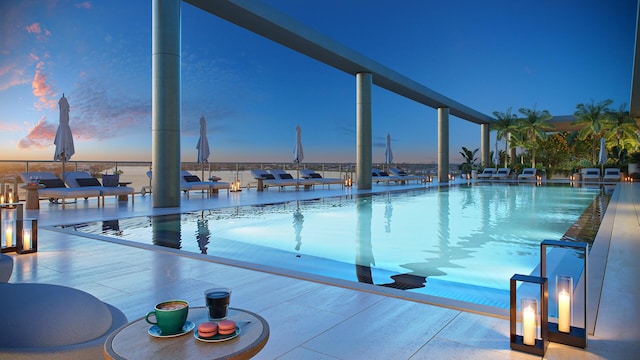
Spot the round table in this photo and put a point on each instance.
(33, 199)
(132, 341)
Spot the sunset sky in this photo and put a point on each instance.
(488, 55)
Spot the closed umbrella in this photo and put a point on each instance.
(203, 144)
(388, 154)
(64, 138)
(602, 158)
(298, 154)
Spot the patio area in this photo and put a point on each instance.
(315, 320)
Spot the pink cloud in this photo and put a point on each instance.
(34, 28)
(10, 76)
(39, 137)
(42, 89)
(84, 5)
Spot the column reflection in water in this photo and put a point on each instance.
(166, 230)
(364, 251)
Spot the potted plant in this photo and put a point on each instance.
(469, 163)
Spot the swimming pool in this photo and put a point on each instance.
(461, 243)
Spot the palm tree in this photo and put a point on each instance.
(505, 124)
(535, 124)
(622, 128)
(594, 119)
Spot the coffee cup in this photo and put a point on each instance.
(170, 316)
(217, 300)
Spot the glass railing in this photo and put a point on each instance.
(135, 172)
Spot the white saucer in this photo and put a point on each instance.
(156, 332)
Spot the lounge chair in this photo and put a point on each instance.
(266, 180)
(502, 174)
(283, 175)
(591, 175)
(55, 189)
(318, 179)
(189, 182)
(527, 174)
(487, 173)
(378, 175)
(81, 179)
(404, 176)
(611, 174)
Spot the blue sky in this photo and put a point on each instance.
(488, 55)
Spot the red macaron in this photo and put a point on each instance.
(207, 329)
(226, 327)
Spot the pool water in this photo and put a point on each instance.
(462, 243)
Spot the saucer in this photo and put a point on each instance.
(218, 337)
(156, 332)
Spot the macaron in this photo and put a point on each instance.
(226, 327)
(207, 329)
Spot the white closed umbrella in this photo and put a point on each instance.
(298, 153)
(203, 144)
(602, 158)
(388, 154)
(64, 137)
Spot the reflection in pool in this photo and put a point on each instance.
(462, 242)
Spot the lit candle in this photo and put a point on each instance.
(26, 239)
(1, 199)
(529, 326)
(10, 198)
(8, 233)
(564, 311)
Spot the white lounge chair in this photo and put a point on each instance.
(55, 188)
(378, 175)
(487, 173)
(527, 174)
(399, 173)
(283, 175)
(266, 179)
(590, 175)
(317, 179)
(611, 174)
(501, 174)
(189, 182)
(84, 180)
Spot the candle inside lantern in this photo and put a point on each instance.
(8, 233)
(529, 325)
(26, 239)
(10, 197)
(1, 199)
(564, 311)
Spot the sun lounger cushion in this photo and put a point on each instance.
(52, 183)
(88, 182)
(191, 178)
(110, 180)
(285, 176)
(591, 173)
(315, 176)
(268, 176)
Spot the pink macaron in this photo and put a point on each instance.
(226, 327)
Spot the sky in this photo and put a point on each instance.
(489, 55)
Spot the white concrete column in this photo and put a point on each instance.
(165, 100)
(443, 145)
(363, 131)
(485, 146)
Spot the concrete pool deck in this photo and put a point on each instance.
(311, 320)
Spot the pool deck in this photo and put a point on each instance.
(315, 320)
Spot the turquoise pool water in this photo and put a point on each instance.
(462, 243)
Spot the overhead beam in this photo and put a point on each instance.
(266, 21)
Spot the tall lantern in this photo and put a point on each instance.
(563, 329)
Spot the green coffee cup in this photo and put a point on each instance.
(170, 316)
